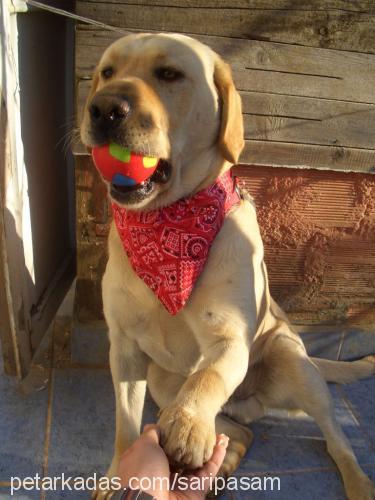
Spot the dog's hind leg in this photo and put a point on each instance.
(240, 440)
(246, 410)
(288, 378)
(345, 372)
(315, 399)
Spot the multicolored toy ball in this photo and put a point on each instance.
(122, 167)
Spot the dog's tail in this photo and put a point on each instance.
(345, 372)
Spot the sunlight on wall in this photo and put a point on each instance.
(16, 196)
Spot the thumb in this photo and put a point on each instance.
(151, 433)
(211, 468)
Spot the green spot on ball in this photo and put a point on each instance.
(119, 152)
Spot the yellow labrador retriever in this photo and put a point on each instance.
(231, 350)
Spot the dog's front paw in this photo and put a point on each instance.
(187, 438)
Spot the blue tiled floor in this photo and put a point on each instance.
(360, 396)
(307, 485)
(323, 343)
(357, 343)
(25, 495)
(90, 345)
(22, 430)
(287, 443)
(83, 421)
(80, 430)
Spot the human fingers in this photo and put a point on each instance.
(211, 468)
(151, 433)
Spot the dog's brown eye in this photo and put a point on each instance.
(168, 74)
(107, 73)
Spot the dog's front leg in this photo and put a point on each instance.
(129, 369)
(188, 424)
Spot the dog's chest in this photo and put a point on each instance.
(167, 340)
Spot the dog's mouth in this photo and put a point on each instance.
(131, 176)
(130, 195)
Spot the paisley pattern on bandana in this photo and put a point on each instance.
(168, 247)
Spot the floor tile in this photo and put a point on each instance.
(83, 420)
(309, 485)
(357, 343)
(294, 443)
(322, 344)
(22, 428)
(306, 486)
(68, 495)
(5, 494)
(361, 398)
(82, 429)
(90, 345)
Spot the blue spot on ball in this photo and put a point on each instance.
(123, 180)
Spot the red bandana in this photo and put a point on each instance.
(168, 247)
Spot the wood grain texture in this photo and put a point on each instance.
(297, 23)
(302, 106)
(318, 229)
(278, 154)
(296, 120)
(265, 66)
(357, 6)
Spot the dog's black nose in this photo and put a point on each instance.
(108, 111)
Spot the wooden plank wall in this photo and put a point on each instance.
(306, 72)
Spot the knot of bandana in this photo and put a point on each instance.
(168, 247)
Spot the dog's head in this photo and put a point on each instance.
(171, 97)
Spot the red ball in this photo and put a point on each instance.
(120, 166)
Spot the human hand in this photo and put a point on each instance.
(145, 466)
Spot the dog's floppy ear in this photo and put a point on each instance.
(231, 140)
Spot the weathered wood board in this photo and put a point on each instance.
(304, 105)
(335, 24)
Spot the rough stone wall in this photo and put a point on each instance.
(318, 228)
